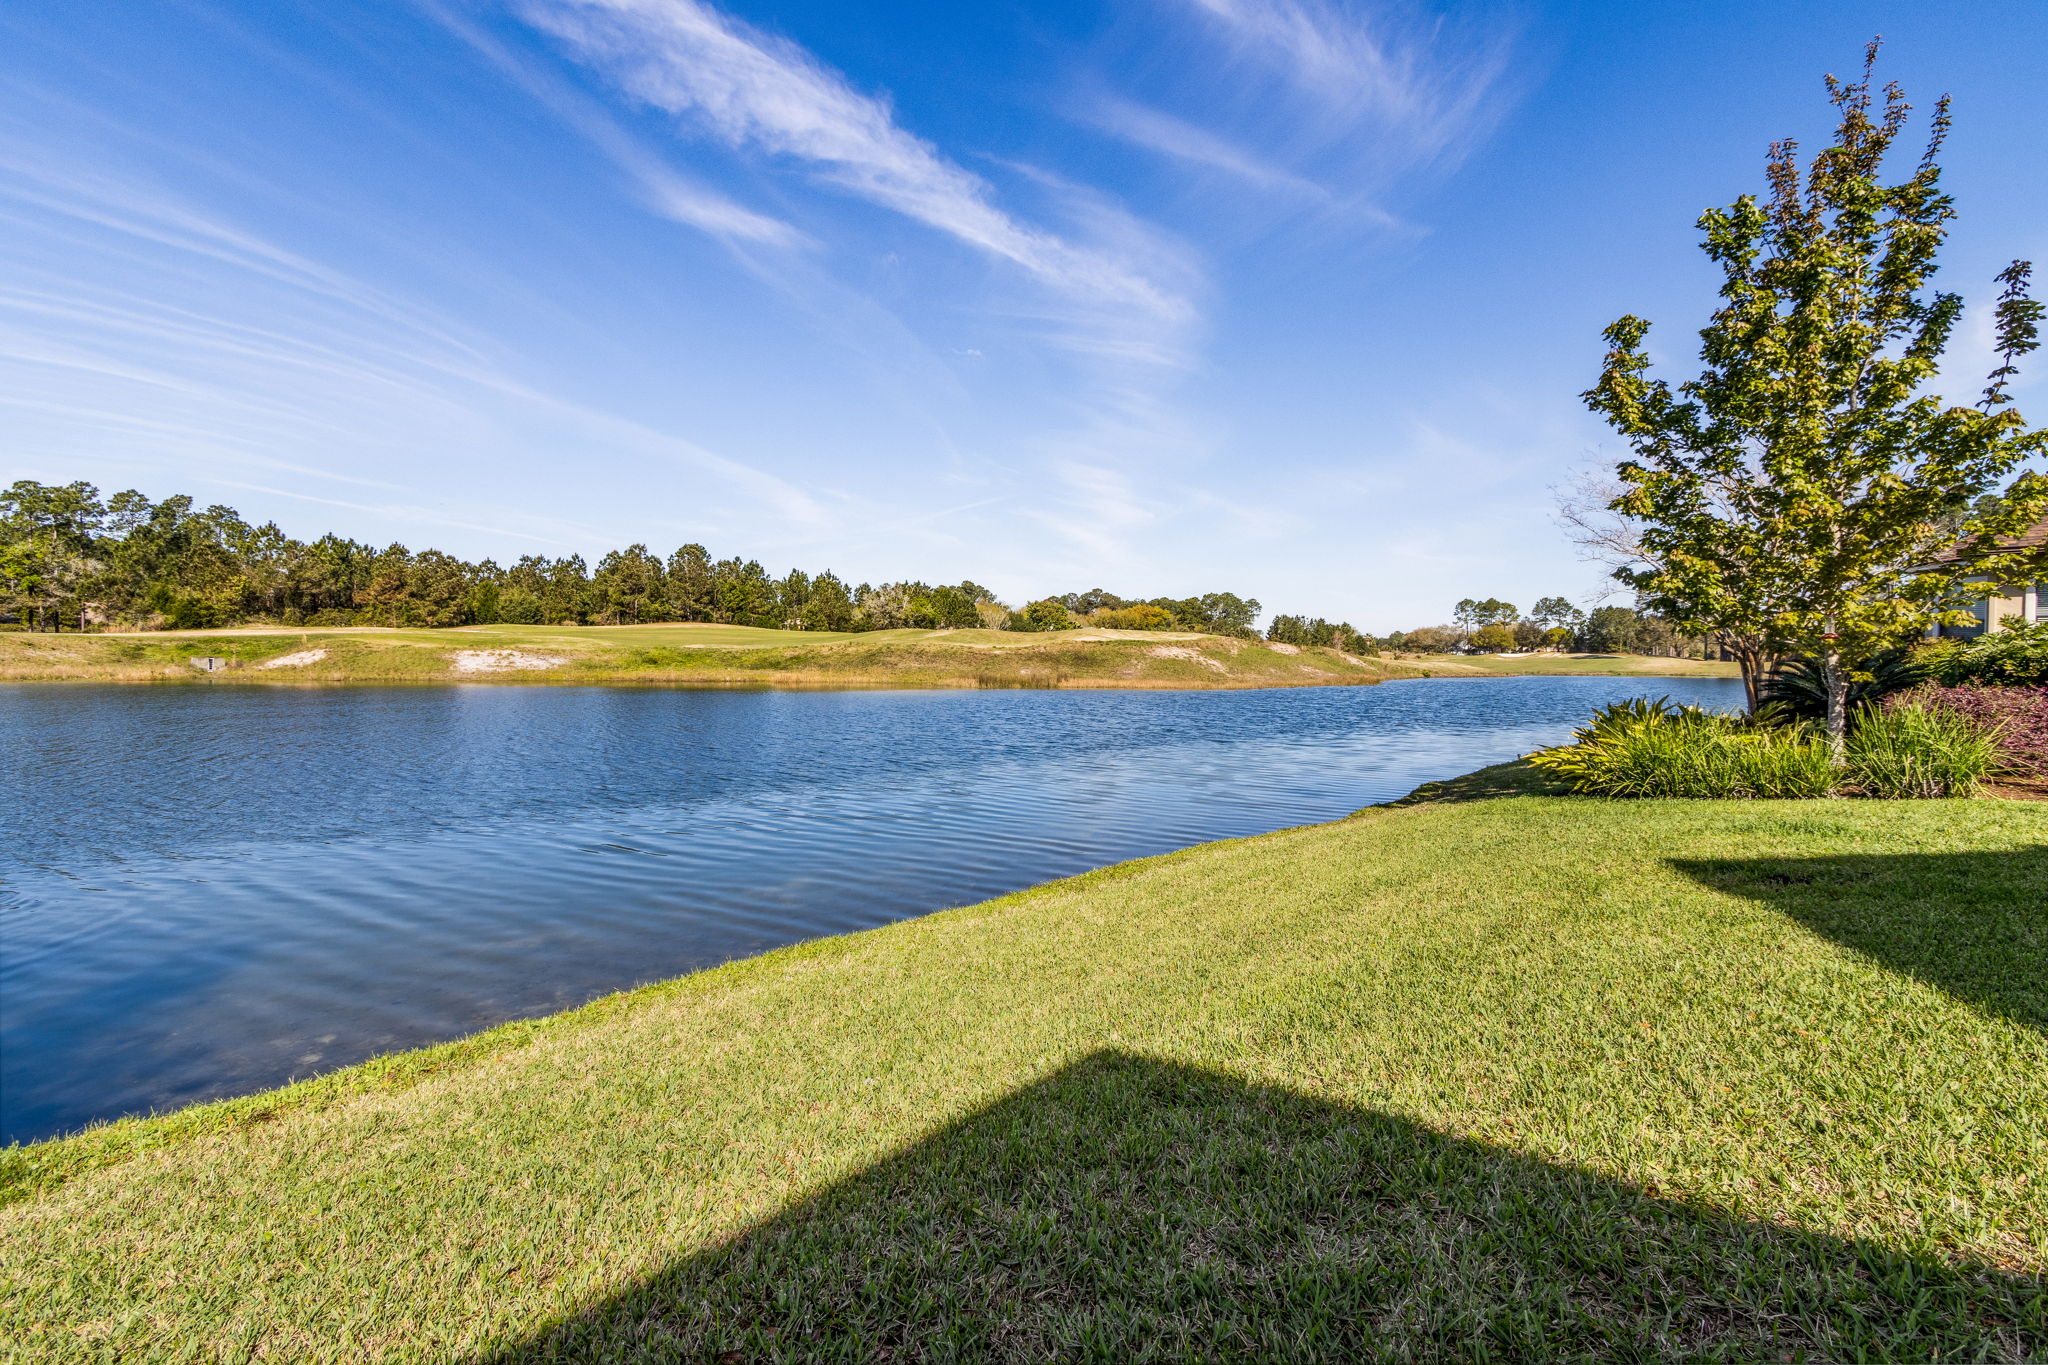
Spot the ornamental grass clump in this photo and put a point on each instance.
(1656, 749)
(1918, 751)
(2019, 716)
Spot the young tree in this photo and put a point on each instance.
(992, 614)
(1794, 497)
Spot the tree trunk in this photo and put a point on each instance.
(1754, 660)
(1837, 679)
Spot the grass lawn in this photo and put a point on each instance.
(1488, 1076)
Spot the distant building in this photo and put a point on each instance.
(2003, 604)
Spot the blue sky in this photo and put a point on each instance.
(1286, 297)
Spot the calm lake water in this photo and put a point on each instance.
(209, 890)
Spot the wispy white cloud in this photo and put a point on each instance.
(1323, 106)
(1323, 45)
(1416, 82)
(759, 92)
(292, 355)
(1110, 296)
(688, 202)
(660, 186)
(97, 198)
(1169, 136)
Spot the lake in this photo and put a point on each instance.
(210, 890)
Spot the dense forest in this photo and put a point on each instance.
(70, 559)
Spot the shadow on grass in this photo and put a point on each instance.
(1519, 778)
(1126, 1209)
(1973, 924)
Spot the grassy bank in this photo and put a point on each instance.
(721, 656)
(1552, 665)
(684, 655)
(1483, 1076)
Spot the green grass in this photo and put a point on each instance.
(1524, 1078)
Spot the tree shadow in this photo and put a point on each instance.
(1519, 778)
(1973, 924)
(1126, 1209)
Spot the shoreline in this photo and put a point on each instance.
(23, 1175)
(799, 1149)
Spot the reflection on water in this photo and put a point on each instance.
(211, 890)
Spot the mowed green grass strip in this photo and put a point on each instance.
(1522, 1078)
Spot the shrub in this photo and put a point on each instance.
(1044, 614)
(1138, 616)
(1919, 750)
(1492, 639)
(1655, 749)
(2014, 656)
(1799, 686)
(518, 607)
(2019, 715)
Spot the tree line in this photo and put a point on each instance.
(1492, 626)
(72, 559)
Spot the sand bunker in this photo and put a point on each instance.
(501, 660)
(297, 659)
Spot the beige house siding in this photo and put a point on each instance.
(2003, 606)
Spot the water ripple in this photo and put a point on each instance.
(213, 890)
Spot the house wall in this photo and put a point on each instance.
(2004, 606)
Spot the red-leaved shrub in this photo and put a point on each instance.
(2019, 713)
